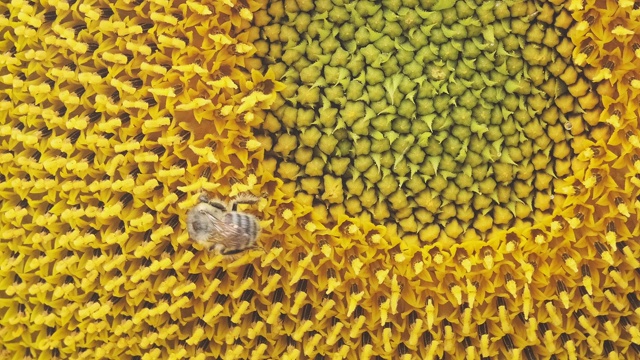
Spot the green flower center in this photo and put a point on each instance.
(437, 120)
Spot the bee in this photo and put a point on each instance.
(221, 227)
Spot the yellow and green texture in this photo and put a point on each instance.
(438, 178)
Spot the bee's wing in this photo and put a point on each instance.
(232, 235)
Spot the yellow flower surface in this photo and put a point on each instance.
(437, 178)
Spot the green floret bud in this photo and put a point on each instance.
(370, 53)
(362, 163)
(463, 70)
(477, 83)
(448, 52)
(375, 92)
(302, 22)
(403, 143)
(289, 34)
(485, 13)
(352, 111)
(438, 37)
(416, 155)
(344, 147)
(406, 85)
(341, 134)
(463, 10)
(407, 108)
(477, 144)
(470, 50)
(426, 54)
(501, 10)
(493, 133)
(339, 15)
(449, 16)
(456, 88)
(452, 146)
(308, 96)
(490, 94)
(503, 173)
(329, 45)
(461, 116)
(315, 167)
(461, 132)
(356, 64)
(551, 38)
(328, 117)
(537, 55)
(374, 76)
(377, 22)
(310, 75)
(512, 140)
(387, 159)
(380, 146)
(483, 64)
(401, 125)
(367, 8)
(434, 148)
(340, 57)
(303, 155)
(362, 146)
(514, 65)
(313, 51)
(451, 191)
(315, 27)
(289, 116)
(362, 36)
(413, 69)
(520, 27)
(382, 106)
(404, 57)
(438, 183)
(310, 136)
(361, 127)
(305, 117)
(474, 160)
(511, 43)
(385, 44)
(327, 144)
(393, 5)
(499, 31)
(335, 94)
(339, 166)
(401, 167)
(354, 90)
(425, 105)
(387, 185)
(390, 67)
(519, 87)
(467, 100)
(409, 18)
(301, 64)
(437, 73)
(497, 115)
(441, 103)
(392, 29)
(515, 154)
(417, 38)
(458, 31)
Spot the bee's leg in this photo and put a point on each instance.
(217, 204)
(227, 252)
(218, 248)
(243, 199)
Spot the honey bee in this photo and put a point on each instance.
(221, 227)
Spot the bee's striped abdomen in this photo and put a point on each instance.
(247, 224)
